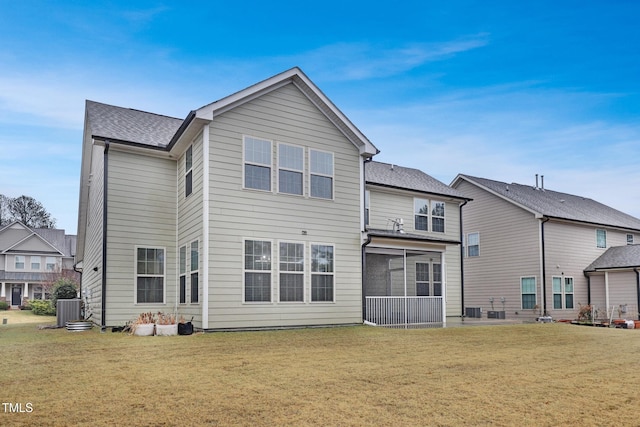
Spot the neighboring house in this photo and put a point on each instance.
(413, 251)
(530, 251)
(31, 259)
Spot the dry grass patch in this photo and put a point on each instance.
(508, 375)
(15, 317)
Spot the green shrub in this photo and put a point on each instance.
(43, 307)
(4, 305)
(64, 289)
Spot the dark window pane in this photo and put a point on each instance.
(422, 289)
(194, 287)
(150, 289)
(322, 187)
(528, 301)
(422, 223)
(437, 225)
(321, 287)
(188, 184)
(183, 289)
(291, 287)
(258, 177)
(290, 182)
(257, 287)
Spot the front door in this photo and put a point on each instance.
(16, 295)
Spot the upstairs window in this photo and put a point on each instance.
(51, 263)
(629, 239)
(35, 263)
(321, 174)
(601, 238)
(421, 212)
(188, 168)
(257, 163)
(437, 216)
(367, 206)
(290, 169)
(183, 274)
(19, 262)
(473, 244)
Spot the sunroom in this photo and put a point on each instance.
(404, 280)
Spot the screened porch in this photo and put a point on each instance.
(403, 287)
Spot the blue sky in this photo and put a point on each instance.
(496, 89)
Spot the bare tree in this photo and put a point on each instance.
(5, 216)
(30, 212)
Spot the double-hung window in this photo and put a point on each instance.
(437, 280)
(51, 263)
(257, 271)
(188, 171)
(290, 169)
(183, 274)
(421, 212)
(528, 292)
(19, 262)
(367, 206)
(322, 273)
(257, 163)
(291, 272)
(150, 274)
(562, 293)
(473, 244)
(629, 239)
(35, 263)
(601, 238)
(321, 174)
(195, 291)
(437, 216)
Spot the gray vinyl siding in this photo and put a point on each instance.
(285, 116)
(190, 219)
(386, 203)
(149, 184)
(509, 250)
(92, 279)
(581, 239)
(390, 203)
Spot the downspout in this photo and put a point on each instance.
(103, 310)
(637, 289)
(588, 287)
(544, 269)
(462, 261)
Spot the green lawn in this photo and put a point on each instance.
(520, 375)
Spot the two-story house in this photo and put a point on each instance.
(530, 251)
(250, 213)
(412, 255)
(31, 259)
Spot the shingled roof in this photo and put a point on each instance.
(129, 125)
(617, 257)
(389, 175)
(559, 205)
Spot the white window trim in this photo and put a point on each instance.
(244, 270)
(563, 293)
(245, 162)
(39, 262)
(190, 272)
(311, 272)
(466, 252)
(302, 171)
(332, 176)
(302, 273)
(135, 275)
(186, 171)
(23, 262)
(605, 238)
(535, 288)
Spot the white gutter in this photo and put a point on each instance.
(205, 226)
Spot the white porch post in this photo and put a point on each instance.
(444, 288)
(606, 291)
(26, 291)
(3, 293)
(404, 267)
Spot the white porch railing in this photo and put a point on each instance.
(403, 310)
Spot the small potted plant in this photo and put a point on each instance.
(166, 324)
(144, 325)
